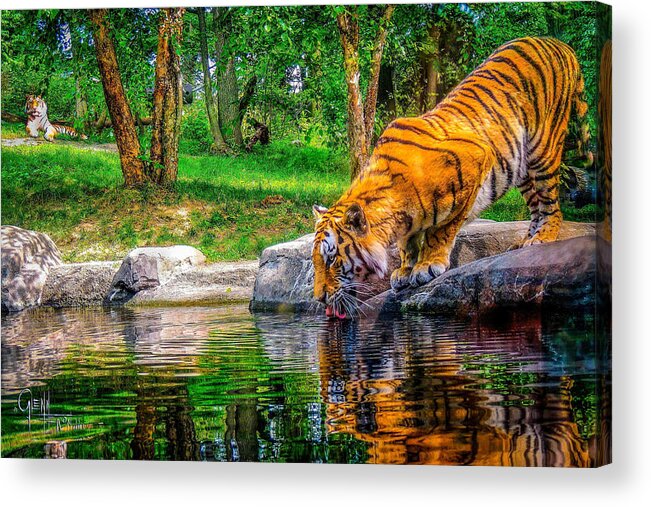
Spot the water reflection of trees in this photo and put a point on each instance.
(188, 384)
(427, 391)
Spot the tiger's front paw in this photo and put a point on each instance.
(519, 243)
(424, 273)
(536, 240)
(400, 278)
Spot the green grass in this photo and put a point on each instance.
(229, 207)
(12, 130)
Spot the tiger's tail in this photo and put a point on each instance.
(62, 129)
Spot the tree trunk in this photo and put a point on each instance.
(219, 145)
(357, 145)
(431, 64)
(168, 100)
(386, 92)
(230, 120)
(81, 104)
(370, 105)
(126, 138)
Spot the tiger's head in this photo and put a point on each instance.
(35, 106)
(346, 254)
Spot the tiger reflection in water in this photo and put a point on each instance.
(454, 410)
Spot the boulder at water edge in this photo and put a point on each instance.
(286, 275)
(79, 284)
(27, 256)
(562, 275)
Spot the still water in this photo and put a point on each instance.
(210, 383)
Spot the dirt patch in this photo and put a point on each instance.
(271, 200)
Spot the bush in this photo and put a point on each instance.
(196, 138)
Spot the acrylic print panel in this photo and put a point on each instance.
(331, 234)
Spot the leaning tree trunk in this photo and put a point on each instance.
(168, 100)
(227, 91)
(126, 138)
(370, 105)
(431, 64)
(357, 145)
(219, 145)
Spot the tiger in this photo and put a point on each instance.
(37, 121)
(605, 131)
(503, 126)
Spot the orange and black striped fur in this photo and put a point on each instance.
(37, 121)
(605, 144)
(504, 125)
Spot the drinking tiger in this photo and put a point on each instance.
(504, 125)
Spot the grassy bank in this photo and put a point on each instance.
(228, 207)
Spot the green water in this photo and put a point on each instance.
(222, 384)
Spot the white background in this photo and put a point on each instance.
(626, 482)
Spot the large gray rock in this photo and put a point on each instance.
(79, 284)
(27, 257)
(286, 276)
(560, 274)
(150, 267)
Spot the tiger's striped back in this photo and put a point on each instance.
(519, 101)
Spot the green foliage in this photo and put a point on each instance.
(292, 55)
(195, 130)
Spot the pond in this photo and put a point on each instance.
(221, 384)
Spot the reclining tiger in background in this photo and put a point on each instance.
(37, 121)
(504, 125)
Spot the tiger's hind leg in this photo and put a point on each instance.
(408, 257)
(50, 133)
(528, 190)
(546, 185)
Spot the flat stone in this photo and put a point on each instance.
(149, 267)
(220, 283)
(479, 239)
(27, 257)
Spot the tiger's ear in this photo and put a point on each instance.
(355, 219)
(318, 211)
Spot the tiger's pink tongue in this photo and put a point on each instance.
(330, 312)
